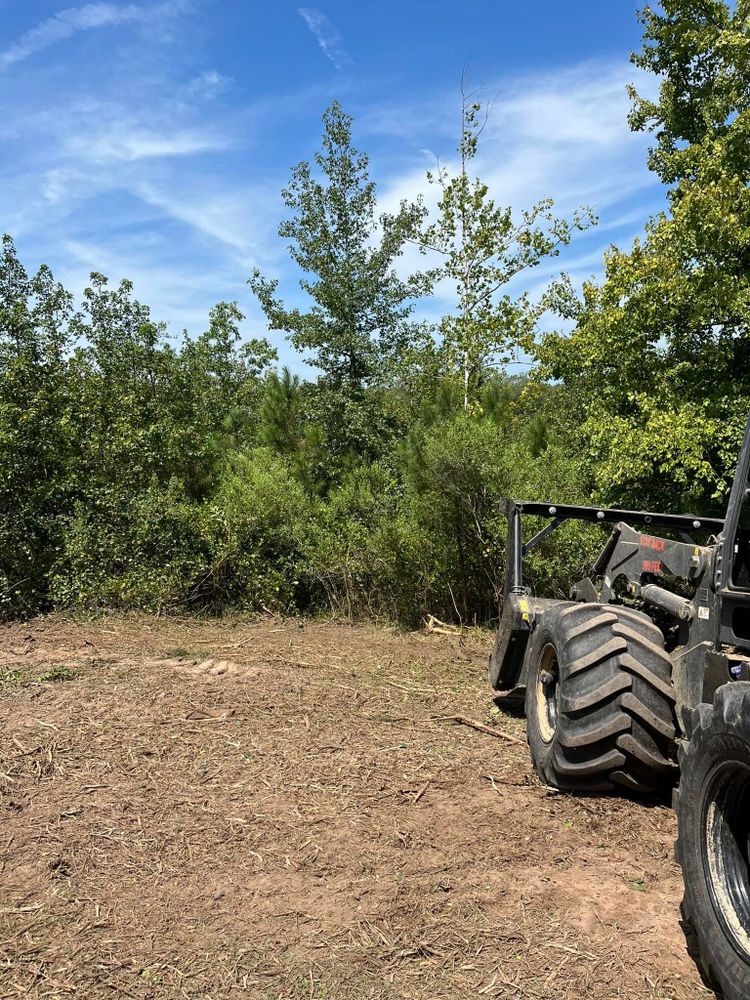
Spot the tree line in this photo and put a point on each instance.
(137, 473)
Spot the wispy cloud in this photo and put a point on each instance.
(178, 294)
(328, 36)
(208, 84)
(70, 21)
(562, 135)
(241, 220)
(126, 142)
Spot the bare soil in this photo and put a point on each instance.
(199, 810)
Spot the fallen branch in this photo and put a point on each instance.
(209, 714)
(421, 792)
(502, 781)
(433, 626)
(462, 720)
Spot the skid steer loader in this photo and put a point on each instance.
(642, 677)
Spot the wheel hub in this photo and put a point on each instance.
(547, 694)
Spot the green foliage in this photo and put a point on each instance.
(658, 366)
(425, 533)
(459, 470)
(123, 549)
(36, 438)
(57, 674)
(358, 324)
(254, 531)
(352, 554)
(110, 439)
(282, 415)
(699, 50)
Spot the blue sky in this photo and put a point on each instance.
(150, 139)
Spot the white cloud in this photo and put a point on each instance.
(560, 135)
(208, 84)
(241, 220)
(125, 142)
(69, 22)
(327, 35)
(56, 184)
(583, 105)
(174, 288)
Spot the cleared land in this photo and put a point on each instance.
(198, 810)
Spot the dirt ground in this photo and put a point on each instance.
(200, 810)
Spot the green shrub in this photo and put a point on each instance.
(350, 561)
(254, 529)
(127, 551)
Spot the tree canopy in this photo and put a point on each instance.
(658, 364)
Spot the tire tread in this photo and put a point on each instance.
(616, 719)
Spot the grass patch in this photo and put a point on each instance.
(57, 674)
(636, 882)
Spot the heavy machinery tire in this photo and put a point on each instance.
(599, 700)
(713, 829)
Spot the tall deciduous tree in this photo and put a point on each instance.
(659, 363)
(358, 323)
(481, 247)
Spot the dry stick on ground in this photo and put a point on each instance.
(503, 781)
(421, 792)
(462, 720)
